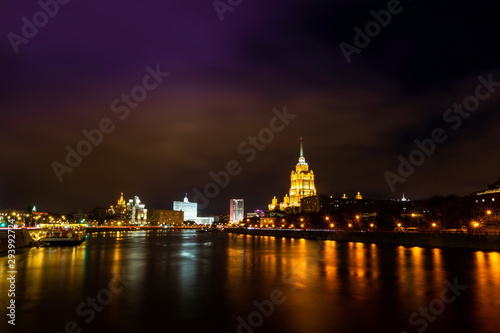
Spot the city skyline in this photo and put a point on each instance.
(294, 187)
(154, 104)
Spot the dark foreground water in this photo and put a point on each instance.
(191, 282)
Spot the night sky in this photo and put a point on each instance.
(225, 79)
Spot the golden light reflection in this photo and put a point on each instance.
(412, 273)
(437, 267)
(487, 288)
(329, 255)
(357, 259)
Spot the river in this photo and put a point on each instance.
(143, 281)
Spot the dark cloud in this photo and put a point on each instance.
(225, 79)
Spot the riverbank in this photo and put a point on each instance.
(464, 241)
(137, 228)
(22, 239)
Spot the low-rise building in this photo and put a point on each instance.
(165, 217)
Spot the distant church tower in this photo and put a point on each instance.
(301, 184)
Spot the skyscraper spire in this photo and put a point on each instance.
(301, 148)
(301, 184)
(302, 159)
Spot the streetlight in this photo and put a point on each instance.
(475, 226)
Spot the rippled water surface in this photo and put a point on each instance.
(191, 282)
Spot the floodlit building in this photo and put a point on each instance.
(190, 210)
(137, 211)
(491, 195)
(120, 208)
(236, 210)
(301, 185)
(118, 213)
(487, 202)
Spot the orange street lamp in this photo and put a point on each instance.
(489, 212)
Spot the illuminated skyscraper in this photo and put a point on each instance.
(236, 210)
(120, 208)
(302, 184)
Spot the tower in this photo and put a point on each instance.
(120, 208)
(236, 210)
(301, 184)
(121, 205)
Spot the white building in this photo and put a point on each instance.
(137, 210)
(190, 210)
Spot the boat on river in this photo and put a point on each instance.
(208, 230)
(62, 234)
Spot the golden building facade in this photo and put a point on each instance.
(301, 185)
(120, 208)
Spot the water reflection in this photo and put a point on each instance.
(487, 292)
(194, 282)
